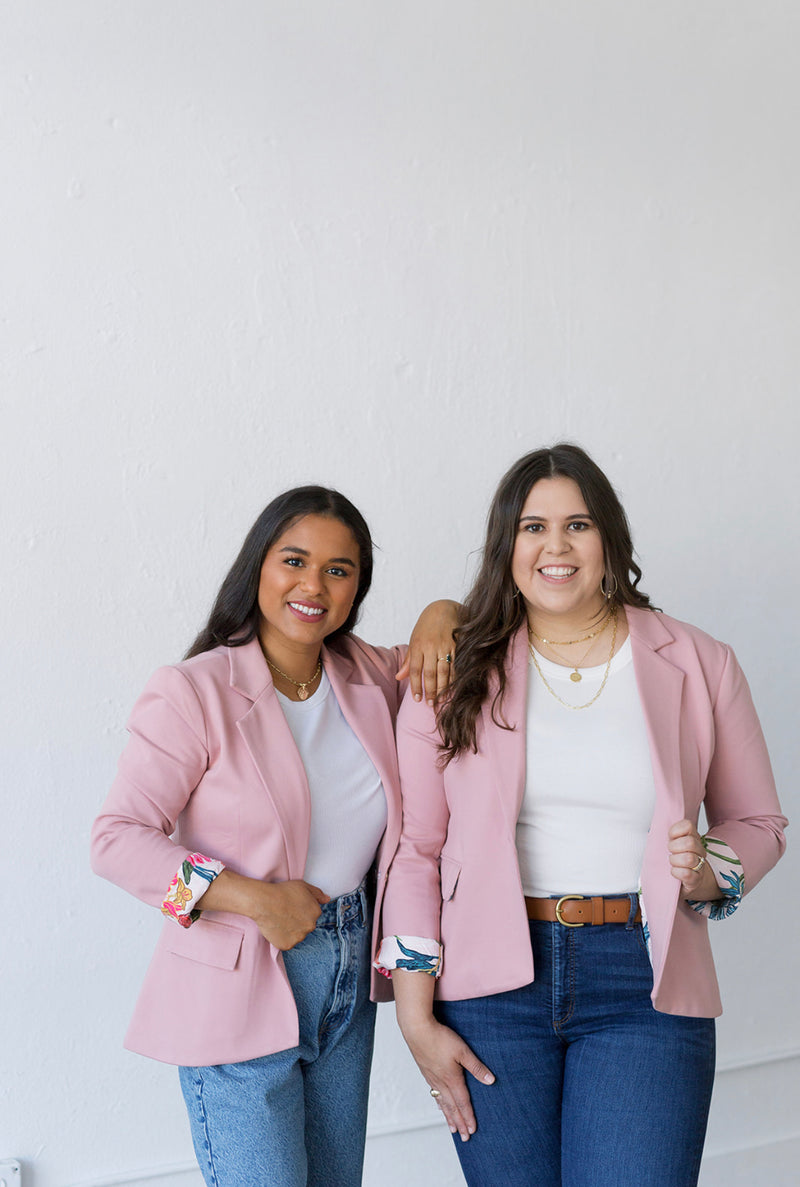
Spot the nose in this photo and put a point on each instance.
(311, 580)
(558, 542)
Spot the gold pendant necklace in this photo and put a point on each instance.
(553, 692)
(575, 675)
(301, 685)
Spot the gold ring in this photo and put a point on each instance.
(435, 1092)
(699, 865)
(446, 659)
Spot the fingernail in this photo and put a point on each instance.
(465, 1137)
(488, 1078)
(417, 696)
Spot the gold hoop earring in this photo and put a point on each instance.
(608, 594)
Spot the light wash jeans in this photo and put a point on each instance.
(595, 1088)
(298, 1118)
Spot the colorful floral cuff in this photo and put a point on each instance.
(730, 878)
(409, 952)
(189, 884)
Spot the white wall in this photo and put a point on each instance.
(389, 248)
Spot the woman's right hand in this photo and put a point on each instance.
(284, 912)
(442, 1056)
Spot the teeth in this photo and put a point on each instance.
(556, 571)
(309, 611)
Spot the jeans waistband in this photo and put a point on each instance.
(347, 908)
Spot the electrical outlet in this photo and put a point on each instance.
(10, 1173)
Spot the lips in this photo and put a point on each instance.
(306, 611)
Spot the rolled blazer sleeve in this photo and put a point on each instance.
(741, 801)
(412, 904)
(164, 760)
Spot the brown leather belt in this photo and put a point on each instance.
(576, 910)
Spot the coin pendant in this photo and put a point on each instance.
(575, 677)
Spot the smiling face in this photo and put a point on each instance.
(558, 560)
(309, 579)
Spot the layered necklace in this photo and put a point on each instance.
(301, 685)
(575, 675)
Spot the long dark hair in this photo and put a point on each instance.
(234, 618)
(493, 612)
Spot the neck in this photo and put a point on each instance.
(568, 626)
(298, 663)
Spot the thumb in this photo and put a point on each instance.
(318, 894)
(404, 670)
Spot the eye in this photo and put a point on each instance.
(335, 571)
(579, 525)
(533, 528)
(293, 561)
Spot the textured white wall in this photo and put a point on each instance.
(387, 248)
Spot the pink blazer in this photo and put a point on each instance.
(211, 760)
(455, 875)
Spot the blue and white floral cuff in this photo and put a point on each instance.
(730, 878)
(409, 952)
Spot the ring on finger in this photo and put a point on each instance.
(446, 659)
(435, 1092)
(699, 866)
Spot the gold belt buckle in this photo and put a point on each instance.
(565, 898)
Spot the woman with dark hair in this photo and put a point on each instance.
(257, 804)
(551, 877)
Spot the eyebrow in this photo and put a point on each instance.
(334, 560)
(543, 519)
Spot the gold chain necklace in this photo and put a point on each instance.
(575, 675)
(569, 642)
(553, 692)
(300, 685)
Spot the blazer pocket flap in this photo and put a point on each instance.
(450, 871)
(208, 942)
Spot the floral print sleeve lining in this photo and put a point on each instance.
(730, 878)
(189, 884)
(409, 952)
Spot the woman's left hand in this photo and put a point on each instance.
(431, 651)
(686, 853)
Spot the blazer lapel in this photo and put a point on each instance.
(660, 686)
(365, 710)
(507, 746)
(271, 746)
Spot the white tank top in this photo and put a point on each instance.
(348, 803)
(589, 790)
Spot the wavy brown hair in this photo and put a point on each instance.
(493, 611)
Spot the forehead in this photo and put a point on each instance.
(320, 535)
(554, 498)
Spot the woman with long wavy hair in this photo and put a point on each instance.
(545, 921)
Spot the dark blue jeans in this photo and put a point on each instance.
(594, 1087)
